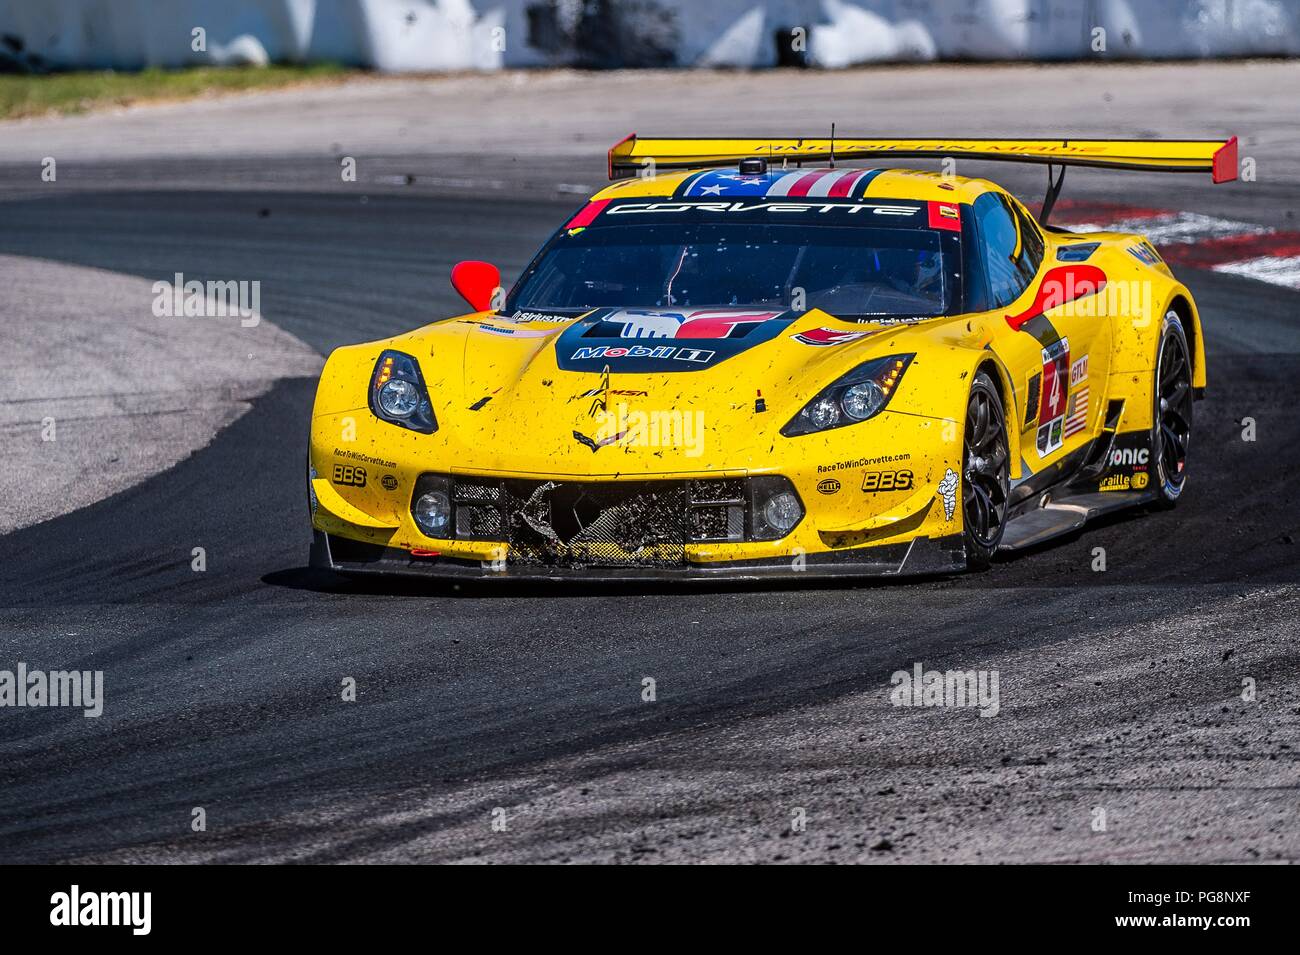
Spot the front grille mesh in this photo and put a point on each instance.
(599, 524)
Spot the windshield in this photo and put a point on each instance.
(696, 261)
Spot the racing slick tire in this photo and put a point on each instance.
(1171, 427)
(986, 473)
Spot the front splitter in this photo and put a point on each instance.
(921, 556)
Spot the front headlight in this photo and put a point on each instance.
(774, 508)
(861, 394)
(398, 398)
(398, 394)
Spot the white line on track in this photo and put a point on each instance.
(1177, 228)
(1275, 270)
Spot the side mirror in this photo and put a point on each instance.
(477, 283)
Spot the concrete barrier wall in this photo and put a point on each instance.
(435, 35)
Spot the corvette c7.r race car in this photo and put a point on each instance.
(744, 358)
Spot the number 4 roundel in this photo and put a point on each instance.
(1056, 383)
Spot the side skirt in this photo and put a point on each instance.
(1062, 498)
(1066, 514)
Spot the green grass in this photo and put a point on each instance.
(82, 92)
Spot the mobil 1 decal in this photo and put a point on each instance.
(1052, 398)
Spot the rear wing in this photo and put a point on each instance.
(1217, 157)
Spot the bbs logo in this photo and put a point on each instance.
(874, 481)
(349, 475)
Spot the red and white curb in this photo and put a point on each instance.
(1196, 241)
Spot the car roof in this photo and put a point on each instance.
(875, 184)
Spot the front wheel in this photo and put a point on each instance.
(986, 473)
(1171, 429)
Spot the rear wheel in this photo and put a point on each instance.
(986, 475)
(1171, 429)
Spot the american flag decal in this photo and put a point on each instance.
(1077, 419)
(810, 183)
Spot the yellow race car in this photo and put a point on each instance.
(756, 357)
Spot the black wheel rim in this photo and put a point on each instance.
(1173, 409)
(987, 480)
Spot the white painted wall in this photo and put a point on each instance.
(438, 35)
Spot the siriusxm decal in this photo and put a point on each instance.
(673, 340)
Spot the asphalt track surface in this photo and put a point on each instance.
(1119, 689)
